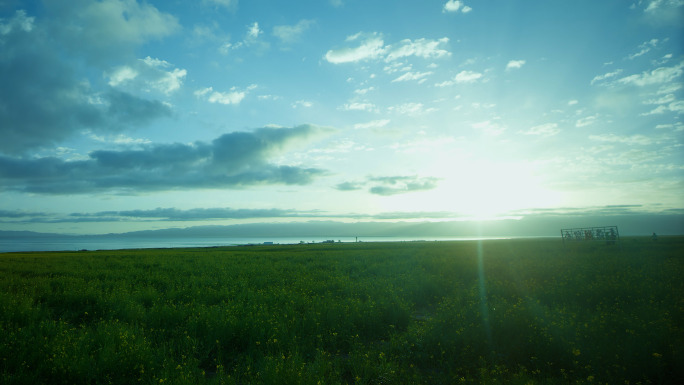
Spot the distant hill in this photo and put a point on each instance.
(537, 225)
(629, 225)
(28, 234)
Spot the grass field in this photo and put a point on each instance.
(494, 312)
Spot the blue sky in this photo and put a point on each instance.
(122, 115)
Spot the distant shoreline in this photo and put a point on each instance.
(95, 244)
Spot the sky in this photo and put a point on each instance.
(125, 115)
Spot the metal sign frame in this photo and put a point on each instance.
(609, 234)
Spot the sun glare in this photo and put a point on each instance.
(488, 190)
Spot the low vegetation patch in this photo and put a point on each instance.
(496, 312)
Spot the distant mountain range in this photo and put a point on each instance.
(540, 225)
(28, 234)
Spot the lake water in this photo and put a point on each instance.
(115, 243)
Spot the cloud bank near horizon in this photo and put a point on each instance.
(171, 214)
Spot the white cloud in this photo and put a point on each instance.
(127, 140)
(489, 127)
(251, 39)
(227, 47)
(122, 75)
(676, 106)
(482, 105)
(629, 140)
(118, 139)
(656, 5)
(371, 47)
(547, 129)
(171, 81)
(467, 77)
(668, 98)
(268, 97)
(363, 91)
(456, 6)
(662, 12)
(20, 21)
(148, 74)
(342, 146)
(154, 62)
(69, 154)
(234, 96)
(608, 75)
(657, 76)
(224, 3)
(423, 48)
(408, 76)
(291, 33)
(452, 6)
(572, 102)
(372, 124)
(445, 83)
(677, 127)
(669, 88)
(302, 103)
(461, 77)
(165, 81)
(586, 121)
(396, 67)
(644, 48)
(514, 64)
(357, 106)
(253, 31)
(411, 109)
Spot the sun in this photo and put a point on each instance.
(488, 190)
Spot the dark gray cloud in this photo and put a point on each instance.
(349, 186)
(411, 215)
(100, 31)
(233, 160)
(391, 185)
(206, 214)
(42, 99)
(199, 214)
(124, 110)
(203, 214)
(608, 210)
(539, 219)
(17, 214)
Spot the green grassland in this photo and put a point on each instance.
(494, 312)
